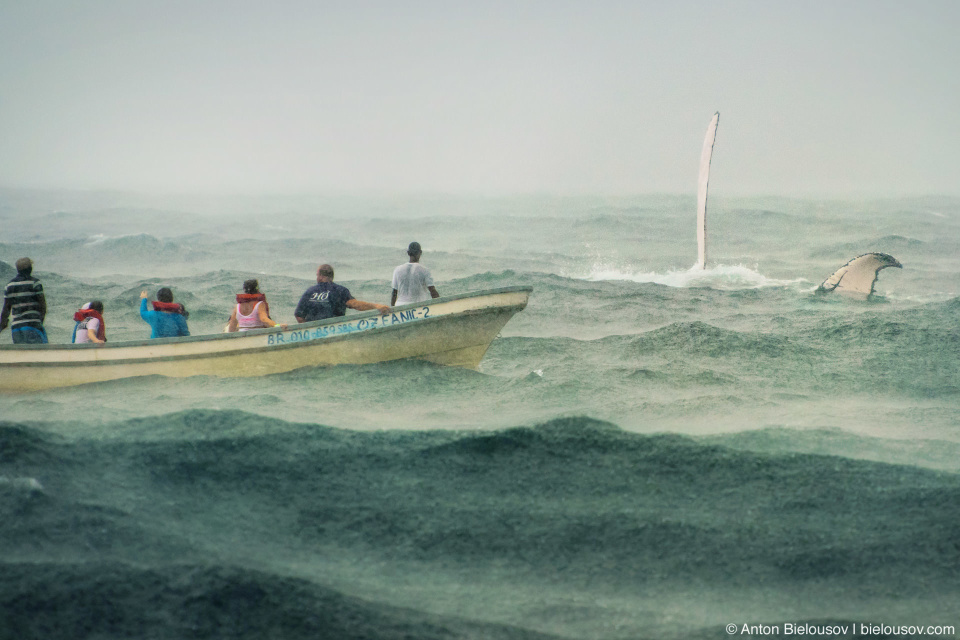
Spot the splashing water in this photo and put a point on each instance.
(718, 277)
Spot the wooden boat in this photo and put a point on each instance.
(454, 330)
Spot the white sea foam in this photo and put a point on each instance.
(23, 484)
(718, 277)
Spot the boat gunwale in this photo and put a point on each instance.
(259, 332)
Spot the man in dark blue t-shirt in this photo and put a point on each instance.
(328, 300)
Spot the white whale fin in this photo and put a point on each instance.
(858, 276)
(705, 156)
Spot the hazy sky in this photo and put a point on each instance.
(834, 97)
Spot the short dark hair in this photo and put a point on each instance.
(164, 294)
(25, 266)
(251, 286)
(325, 270)
(97, 306)
(414, 249)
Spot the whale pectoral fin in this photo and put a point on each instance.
(858, 276)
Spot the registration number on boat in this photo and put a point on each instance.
(353, 326)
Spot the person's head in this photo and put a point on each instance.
(325, 273)
(164, 295)
(251, 286)
(24, 266)
(414, 250)
(97, 306)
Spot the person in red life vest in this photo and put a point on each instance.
(167, 319)
(252, 311)
(90, 326)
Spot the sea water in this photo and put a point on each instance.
(646, 451)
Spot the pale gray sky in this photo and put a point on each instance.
(833, 97)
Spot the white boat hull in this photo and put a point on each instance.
(451, 331)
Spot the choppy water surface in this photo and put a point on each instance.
(647, 451)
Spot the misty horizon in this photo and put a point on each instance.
(612, 99)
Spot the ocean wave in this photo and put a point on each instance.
(23, 445)
(60, 601)
(575, 500)
(46, 525)
(933, 454)
(601, 499)
(693, 339)
(927, 328)
(885, 244)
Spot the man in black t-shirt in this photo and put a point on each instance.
(23, 299)
(329, 300)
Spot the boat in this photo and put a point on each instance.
(704, 180)
(454, 330)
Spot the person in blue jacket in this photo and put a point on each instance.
(167, 318)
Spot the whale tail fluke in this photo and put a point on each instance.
(858, 276)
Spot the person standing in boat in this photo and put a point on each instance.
(90, 327)
(327, 299)
(23, 299)
(252, 311)
(167, 319)
(412, 281)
